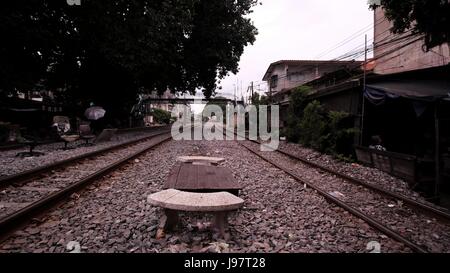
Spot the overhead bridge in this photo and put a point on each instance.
(191, 100)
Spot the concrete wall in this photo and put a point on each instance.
(393, 56)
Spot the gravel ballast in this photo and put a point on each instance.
(279, 214)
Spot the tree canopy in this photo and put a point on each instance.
(222, 105)
(108, 50)
(427, 17)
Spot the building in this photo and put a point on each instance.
(395, 53)
(285, 75)
(404, 98)
(143, 110)
(153, 103)
(162, 102)
(407, 102)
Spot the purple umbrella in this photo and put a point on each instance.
(94, 113)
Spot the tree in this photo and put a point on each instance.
(313, 126)
(310, 124)
(297, 105)
(216, 41)
(428, 17)
(222, 105)
(161, 116)
(107, 50)
(258, 100)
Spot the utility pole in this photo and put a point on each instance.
(270, 91)
(364, 90)
(240, 93)
(365, 60)
(234, 93)
(251, 92)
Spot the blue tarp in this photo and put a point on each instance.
(420, 90)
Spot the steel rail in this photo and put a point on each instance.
(370, 220)
(408, 201)
(10, 222)
(22, 176)
(119, 131)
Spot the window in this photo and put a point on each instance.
(274, 81)
(295, 77)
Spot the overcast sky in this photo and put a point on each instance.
(300, 30)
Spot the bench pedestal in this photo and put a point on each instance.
(170, 220)
(216, 203)
(221, 222)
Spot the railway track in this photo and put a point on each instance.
(426, 208)
(119, 132)
(26, 194)
(23, 176)
(387, 216)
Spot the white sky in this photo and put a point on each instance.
(298, 29)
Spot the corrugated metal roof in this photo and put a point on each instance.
(306, 62)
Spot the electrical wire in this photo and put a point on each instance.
(352, 37)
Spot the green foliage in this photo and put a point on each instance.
(339, 136)
(428, 17)
(258, 100)
(326, 131)
(295, 113)
(107, 50)
(161, 116)
(310, 124)
(222, 105)
(313, 127)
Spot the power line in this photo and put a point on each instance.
(359, 51)
(352, 37)
(390, 52)
(347, 40)
(409, 42)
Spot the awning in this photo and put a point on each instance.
(416, 89)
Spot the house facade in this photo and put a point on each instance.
(163, 105)
(285, 75)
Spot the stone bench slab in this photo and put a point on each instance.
(189, 201)
(195, 159)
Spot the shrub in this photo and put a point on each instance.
(161, 116)
(340, 134)
(295, 113)
(313, 127)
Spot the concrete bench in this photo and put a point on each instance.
(31, 144)
(173, 201)
(68, 139)
(200, 160)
